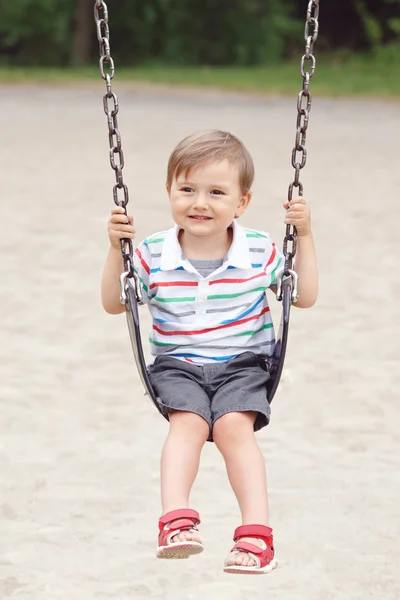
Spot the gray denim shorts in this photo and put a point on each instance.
(212, 390)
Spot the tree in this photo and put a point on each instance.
(83, 32)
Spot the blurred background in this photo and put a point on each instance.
(79, 443)
(242, 44)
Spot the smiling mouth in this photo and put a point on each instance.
(199, 218)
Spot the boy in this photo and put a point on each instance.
(205, 282)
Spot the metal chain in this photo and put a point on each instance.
(299, 154)
(111, 108)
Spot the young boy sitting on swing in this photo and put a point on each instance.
(205, 283)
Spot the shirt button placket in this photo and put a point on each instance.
(202, 293)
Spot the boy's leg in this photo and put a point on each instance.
(180, 461)
(178, 385)
(233, 434)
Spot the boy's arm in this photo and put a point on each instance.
(298, 214)
(110, 289)
(120, 226)
(307, 271)
(110, 286)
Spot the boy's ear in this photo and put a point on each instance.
(244, 203)
(248, 197)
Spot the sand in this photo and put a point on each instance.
(80, 444)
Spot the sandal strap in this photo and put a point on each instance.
(247, 547)
(182, 524)
(182, 513)
(257, 531)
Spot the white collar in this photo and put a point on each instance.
(238, 254)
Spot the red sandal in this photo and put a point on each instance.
(264, 557)
(184, 519)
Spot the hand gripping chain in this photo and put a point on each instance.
(299, 154)
(111, 108)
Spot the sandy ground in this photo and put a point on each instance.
(80, 444)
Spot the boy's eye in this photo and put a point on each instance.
(217, 192)
(186, 189)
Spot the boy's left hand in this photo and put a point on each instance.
(298, 214)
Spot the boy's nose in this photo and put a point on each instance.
(201, 201)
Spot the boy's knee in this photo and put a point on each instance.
(189, 424)
(233, 427)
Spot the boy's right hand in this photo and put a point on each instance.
(120, 226)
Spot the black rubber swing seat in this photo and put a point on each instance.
(275, 362)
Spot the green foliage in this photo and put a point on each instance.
(36, 31)
(192, 32)
(372, 28)
(261, 31)
(394, 21)
(394, 24)
(214, 32)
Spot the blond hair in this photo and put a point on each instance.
(211, 146)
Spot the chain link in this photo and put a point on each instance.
(304, 102)
(111, 109)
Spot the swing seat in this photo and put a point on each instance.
(275, 362)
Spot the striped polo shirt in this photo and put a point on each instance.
(214, 318)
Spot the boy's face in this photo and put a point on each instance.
(205, 201)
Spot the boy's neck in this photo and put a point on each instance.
(205, 247)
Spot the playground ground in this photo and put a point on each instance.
(79, 442)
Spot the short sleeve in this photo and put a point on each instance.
(273, 262)
(141, 265)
